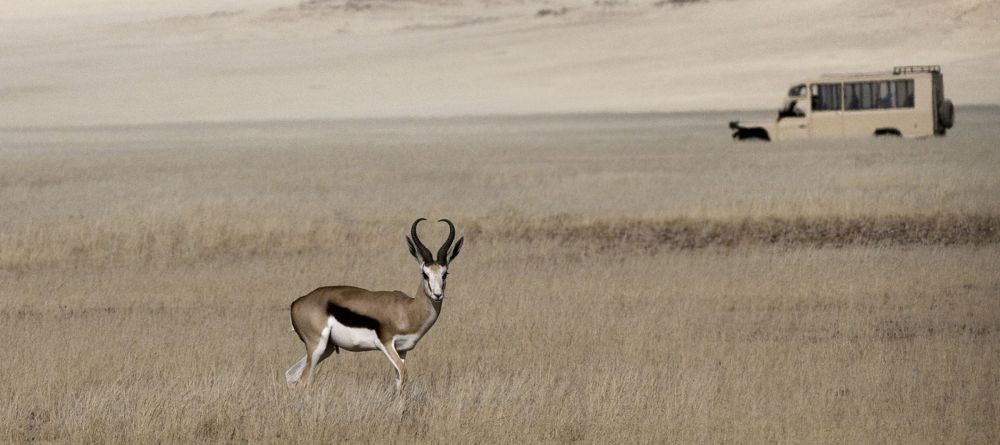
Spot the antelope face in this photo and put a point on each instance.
(434, 280)
(434, 272)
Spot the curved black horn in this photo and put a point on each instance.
(425, 253)
(443, 251)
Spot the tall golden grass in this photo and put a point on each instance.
(632, 278)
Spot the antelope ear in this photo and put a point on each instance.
(413, 249)
(458, 248)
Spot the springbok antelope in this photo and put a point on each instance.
(330, 318)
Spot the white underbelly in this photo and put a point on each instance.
(351, 339)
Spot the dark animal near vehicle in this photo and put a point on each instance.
(743, 133)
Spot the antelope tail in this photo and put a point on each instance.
(295, 372)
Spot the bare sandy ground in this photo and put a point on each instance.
(117, 62)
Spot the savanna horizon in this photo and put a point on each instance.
(114, 61)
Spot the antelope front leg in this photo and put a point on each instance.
(390, 352)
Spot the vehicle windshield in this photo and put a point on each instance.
(797, 91)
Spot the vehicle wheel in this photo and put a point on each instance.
(946, 114)
(888, 132)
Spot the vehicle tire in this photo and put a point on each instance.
(946, 114)
(881, 132)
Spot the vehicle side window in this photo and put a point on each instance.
(852, 96)
(879, 95)
(904, 93)
(885, 95)
(797, 91)
(868, 92)
(826, 97)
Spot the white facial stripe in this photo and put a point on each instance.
(434, 284)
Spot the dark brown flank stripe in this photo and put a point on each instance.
(352, 319)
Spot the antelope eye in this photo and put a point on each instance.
(424, 274)
(445, 276)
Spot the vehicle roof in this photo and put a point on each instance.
(899, 72)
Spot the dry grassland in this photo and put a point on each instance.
(625, 278)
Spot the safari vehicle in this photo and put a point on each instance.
(908, 101)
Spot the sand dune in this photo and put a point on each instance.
(103, 62)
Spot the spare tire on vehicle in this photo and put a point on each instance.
(946, 114)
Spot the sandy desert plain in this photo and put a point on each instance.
(637, 278)
(173, 175)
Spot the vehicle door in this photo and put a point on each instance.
(827, 119)
(793, 118)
